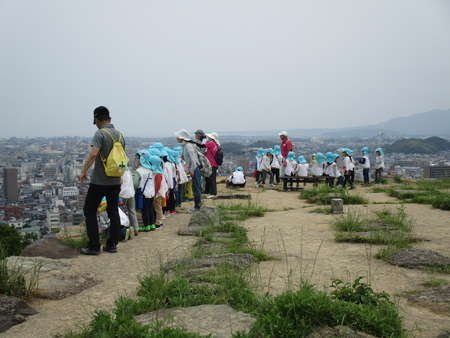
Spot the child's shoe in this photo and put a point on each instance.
(173, 212)
(152, 227)
(142, 228)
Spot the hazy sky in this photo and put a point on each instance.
(219, 65)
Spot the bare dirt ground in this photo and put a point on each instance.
(119, 274)
(305, 247)
(302, 242)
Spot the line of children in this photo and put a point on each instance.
(337, 169)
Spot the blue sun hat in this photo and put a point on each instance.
(145, 159)
(380, 150)
(301, 159)
(154, 152)
(156, 164)
(260, 152)
(269, 150)
(291, 156)
(239, 169)
(348, 151)
(276, 150)
(365, 151)
(320, 158)
(163, 152)
(331, 157)
(157, 145)
(173, 156)
(141, 152)
(178, 148)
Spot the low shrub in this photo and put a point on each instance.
(352, 221)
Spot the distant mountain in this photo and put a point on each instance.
(435, 122)
(419, 146)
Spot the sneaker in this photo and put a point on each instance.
(173, 212)
(110, 248)
(159, 225)
(148, 228)
(142, 228)
(152, 227)
(90, 252)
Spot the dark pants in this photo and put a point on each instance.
(366, 175)
(276, 175)
(231, 185)
(330, 181)
(179, 194)
(263, 176)
(93, 198)
(378, 173)
(287, 180)
(211, 184)
(349, 178)
(148, 212)
(197, 188)
(170, 204)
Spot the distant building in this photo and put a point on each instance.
(10, 184)
(53, 220)
(70, 192)
(437, 172)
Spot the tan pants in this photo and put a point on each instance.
(158, 210)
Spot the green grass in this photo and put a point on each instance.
(291, 314)
(242, 211)
(389, 227)
(323, 210)
(75, 243)
(13, 281)
(324, 194)
(433, 282)
(426, 191)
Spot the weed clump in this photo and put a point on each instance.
(324, 194)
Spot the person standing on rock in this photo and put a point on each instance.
(101, 185)
(190, 156)
(212, 147)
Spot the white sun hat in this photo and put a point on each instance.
(214, 136)
(183, 134)
(283, 133)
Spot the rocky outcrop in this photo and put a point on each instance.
(50, 248)
(219, 321)
(13, 311)
(419, 259)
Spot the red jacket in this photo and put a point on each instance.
(286, 146)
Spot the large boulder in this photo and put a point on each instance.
(50, 248)
(204, 217)
(54, 278)
(13, 311)
(339, 332)
(219, 321)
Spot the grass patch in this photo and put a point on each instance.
(324, 210)
(392, 228)
(242, 211)
(14, 280)
(75, 242)
(324, 194)
(434, 282)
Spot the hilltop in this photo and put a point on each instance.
(419, 146)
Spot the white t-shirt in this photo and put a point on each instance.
(379, 162)
(275, 162)
(181, 174)
(265, 163)
(147, 183)
(290, 168)
(366, 164)
(316, 169)
(332, 170)
(169, 174)
(238, 177)
(348, 163)
(302, 169)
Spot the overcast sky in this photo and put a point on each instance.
(219, 65)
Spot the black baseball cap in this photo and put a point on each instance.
(101, 112)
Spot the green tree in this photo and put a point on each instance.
(11, 241)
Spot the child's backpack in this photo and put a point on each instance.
(116, 162)
(205, 166)
(219, 156)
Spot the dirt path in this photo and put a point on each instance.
(304, 243)
(119, 274)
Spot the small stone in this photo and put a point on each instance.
(418, 258)
(337, 206)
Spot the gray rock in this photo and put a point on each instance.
(339, 332)
(62, 285)
(29, 264)
(204, 217)
(219, 321)
(50, 248)
(235, 260)
(444, 335)
(191, 231)
(439, 294)
(417, 258)
(13, 311)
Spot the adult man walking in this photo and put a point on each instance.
(286, 144)
(101, 185)
(190, 155)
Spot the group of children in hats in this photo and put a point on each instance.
(336, 168)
